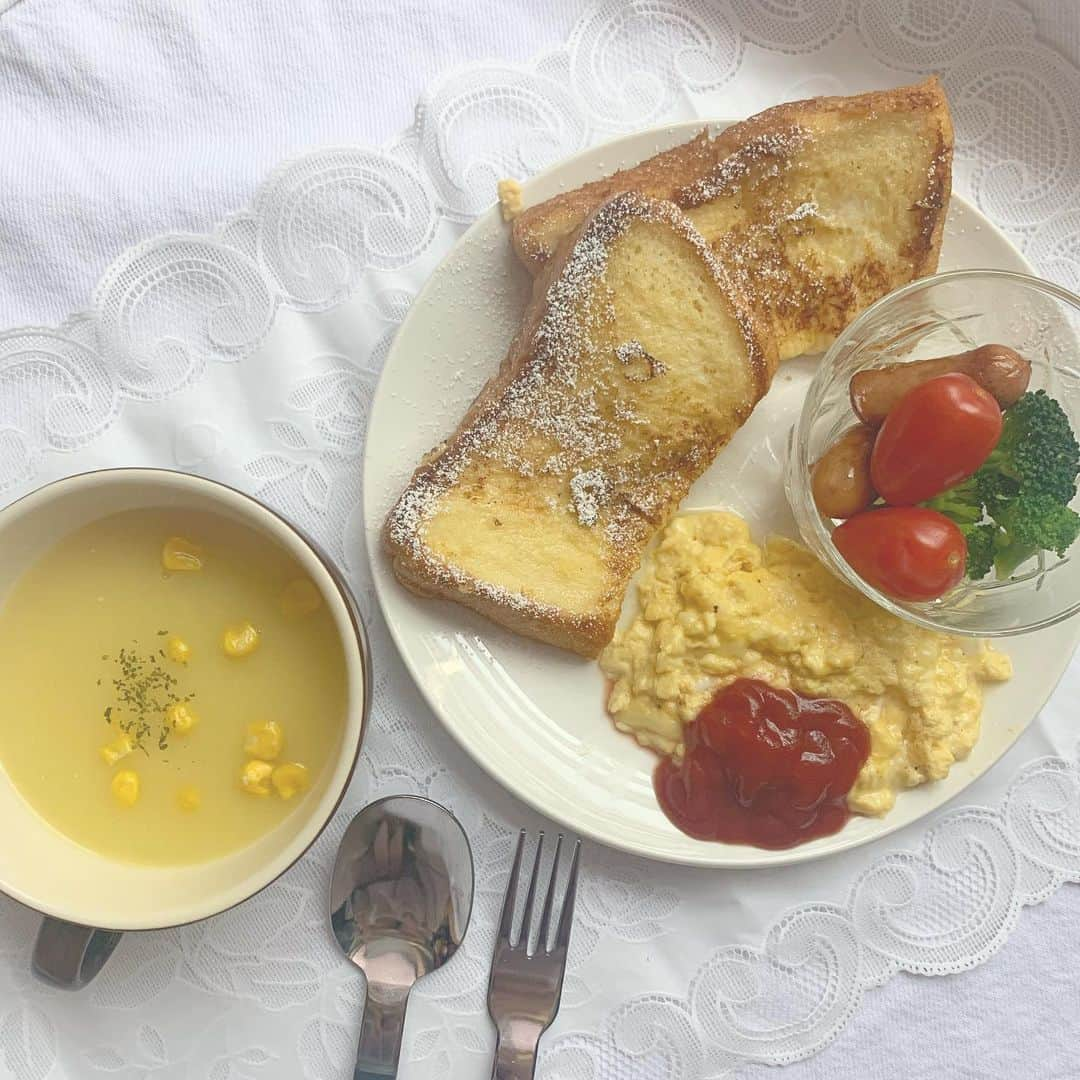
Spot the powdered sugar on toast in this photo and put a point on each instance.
(763, 155)
(546, 403)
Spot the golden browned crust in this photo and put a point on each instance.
(584, 636)
(809, 300)
(673, 174)
(424, 573)
(934, 204)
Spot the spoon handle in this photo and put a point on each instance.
(380, 1034)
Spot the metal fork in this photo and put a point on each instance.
(524, 988)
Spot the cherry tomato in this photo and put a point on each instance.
(936, 435)
(908, 552)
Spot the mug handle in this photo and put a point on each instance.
(68, 955)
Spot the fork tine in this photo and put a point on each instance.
(506, 920)
(545, 915)
(526, 918)
(566, 916)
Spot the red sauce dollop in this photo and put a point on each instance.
(764, 766)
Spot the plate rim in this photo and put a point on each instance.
(372, 538)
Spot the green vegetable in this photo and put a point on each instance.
(980, 549)
(1030, 524)
(1016, 505)
(963, 503)
(1037, 452)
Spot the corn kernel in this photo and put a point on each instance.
(255, 778)
(299, 598)
(181, 718)
(264, 739)
(290, 779)
(241, 639)
(119, 748)
(181, 554)
(189, 798)
(125, 787)
(178, 650)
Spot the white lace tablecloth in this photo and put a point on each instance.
(232, 199)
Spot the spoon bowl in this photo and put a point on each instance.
(400, 899)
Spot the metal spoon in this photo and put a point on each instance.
(400, 899)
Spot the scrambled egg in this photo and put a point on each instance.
(509, 199)
(715, 607)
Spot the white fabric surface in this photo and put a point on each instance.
(121, 122)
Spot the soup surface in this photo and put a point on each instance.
(173, 686)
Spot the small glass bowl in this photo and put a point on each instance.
(935, 316)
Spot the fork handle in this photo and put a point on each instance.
(513, 1061)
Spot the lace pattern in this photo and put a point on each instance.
(346, 235)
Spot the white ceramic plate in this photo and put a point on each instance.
(533, 715)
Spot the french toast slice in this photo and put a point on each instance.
(816, 208)
(636, 362)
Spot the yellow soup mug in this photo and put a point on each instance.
(89, 899)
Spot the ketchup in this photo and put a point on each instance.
(764, 766)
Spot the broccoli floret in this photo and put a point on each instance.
(1033, 523)
(980, 549)
(1036, 454)
(1016, 504)
(994, 488)
(963, 503)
